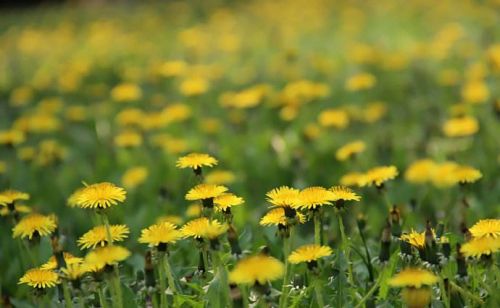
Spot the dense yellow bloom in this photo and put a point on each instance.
(313, 197)
(134, 177)
(160, 233)
(349, 150)
(486, 228)
(361, 81)
(35, 224)
(220, 177)
(413, 277)
(69, 259)
(194, 86)
(479, 246)
(461, 127)
(40, 278)
(100, 195)
(341, 193)
(256, 269)
(420, 171)
(75, 271)
(466, 174)
(475, 92)
(283, 196)
(378, 175)
(334, 118)
(107, 255)
(352, 179)
(98, 236)
(12, 137)
(227, 200)
(309, 253)
(11, 196)
(205, 191)
(126, 92)
(196, 161)
(128, 139)
(20, 208)
(203, 228)
(415, 239)
(277, 217)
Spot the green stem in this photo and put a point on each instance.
(221, 271)
(244, 295)
(163, 287)
(204, 254)
(317, 228)
(318, 288)
(346, 249)
(68, 302)
(444, 293)
(287, 242)
(102, 299)
(170, 276)
(466, 293)
(117, 294)
(368, 295)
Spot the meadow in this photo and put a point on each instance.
(250, 154)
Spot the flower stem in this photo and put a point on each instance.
(244, 295)
(345, 248)
(170, 276)
(163, 287)
(221, 271)
(102, 299)
(68, 302)
(117, 294)
(287, 243)
(317, 228)
(318, 288)
(369, 294)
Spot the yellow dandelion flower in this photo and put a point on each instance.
(98, 236)
(361, 81)
(475, 92)
(194, 86)
(277, 217)
(283, 196)
(420, 171)
(10, 196)
(309, 253)
(75, 271)
(349, 150)
(226, 201)
(100, 195)
(443, 175)
(35, 224)
(334, 118)
(461, 127)
(12, 137)
(69, 259)
(203, 228)
(256, 269)
(130, 117)
(477, 247)
(172, 68)
(126, 92)
(486, 228)
(413, 277)
(173, 219)
(196, 161)
(20, 208)
(374, 112)
(352, 179)
(341, 193)
(220, 177)
(466, 174)
(194, 210)
(134, 177)
(160, 233)
(379, 175)
(128, 139)
(415, 239)
(107, 255)
(205, 191)
(40, 278)
(312, 197)
(177, 112)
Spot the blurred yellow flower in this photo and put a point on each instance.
(477, 247)
(486, 228)
(277, 217)
(461, 126)
(205, 191)
(350, 149)
(107, 255)
(336, 118)
(12, 137)
(413, 277)
(226, 201)
(379, 175)
(21, 96)
(475, 92)
(128, 139)
(69, 259)
(134, 177)
(420, 171)
(361, 81)
(256, 269)
(126, 92)
(220, 177)
(309, 253)
(194, 86)
(353, 179)
(203, 228)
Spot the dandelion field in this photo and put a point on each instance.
(250, 154)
